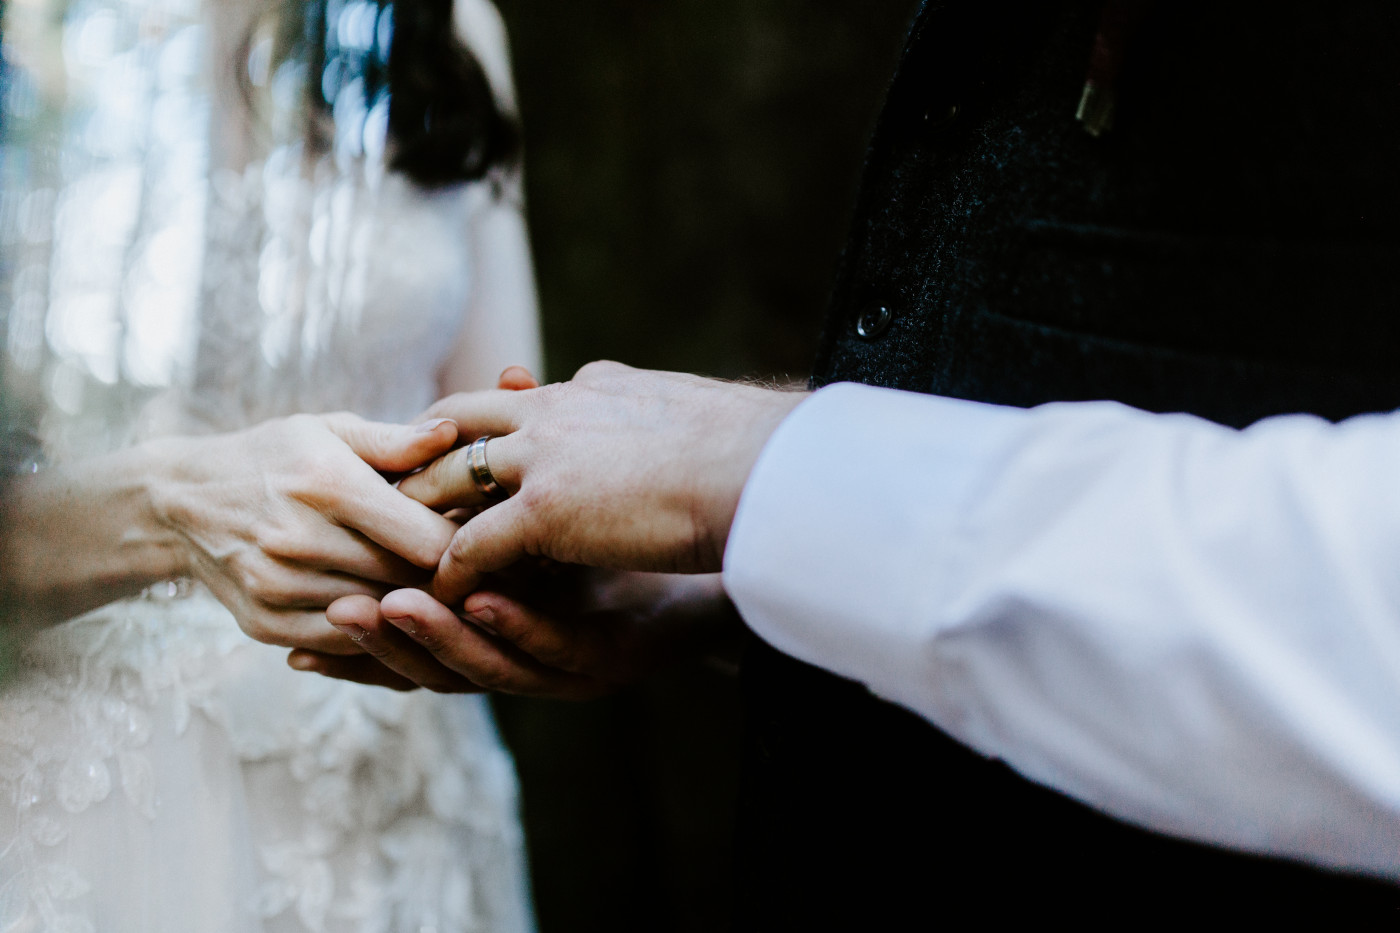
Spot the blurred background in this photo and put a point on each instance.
(690, 168)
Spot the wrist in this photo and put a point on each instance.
(672, 619)
(160, 474)
(81, 534)
(765, 410)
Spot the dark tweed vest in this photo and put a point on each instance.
(1229, 249)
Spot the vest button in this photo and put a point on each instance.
(873, 321)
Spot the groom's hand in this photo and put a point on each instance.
(567, 634)
(619, 468)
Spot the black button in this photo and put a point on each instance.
(873, 321)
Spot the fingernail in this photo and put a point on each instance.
(355, 633)
(428, 427)
(301, 662)
(484, 618)
(404, 624)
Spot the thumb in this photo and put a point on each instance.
(394, 448)
(492, 540)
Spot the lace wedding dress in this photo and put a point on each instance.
(173, 268)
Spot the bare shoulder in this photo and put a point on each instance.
(481, 27)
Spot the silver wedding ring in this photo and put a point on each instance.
(481, 472)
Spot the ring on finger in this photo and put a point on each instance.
(480, 470)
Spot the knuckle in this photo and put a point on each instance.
(267, 585)
(260, 628)
(313, 475)
(276, 540)
(250, 578)
(300, 425)
(588, 371)
(298, 434)
(281, 594)
(323, 472)
(598, 369)
(336, 421)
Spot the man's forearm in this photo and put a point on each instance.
(1194, 628)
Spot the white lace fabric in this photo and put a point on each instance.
(159, 772)
(168, 774)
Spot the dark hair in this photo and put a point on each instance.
(444, 125)
(443, 117)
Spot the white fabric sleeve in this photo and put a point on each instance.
(1193, 628)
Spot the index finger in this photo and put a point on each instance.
(392, 520)
(494, 411)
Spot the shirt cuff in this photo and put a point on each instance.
(847, 525)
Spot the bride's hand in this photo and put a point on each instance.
(282, 519)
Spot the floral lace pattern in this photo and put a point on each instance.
(76, 726)
(371, 811)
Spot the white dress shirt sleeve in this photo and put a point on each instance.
(1190, 627)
